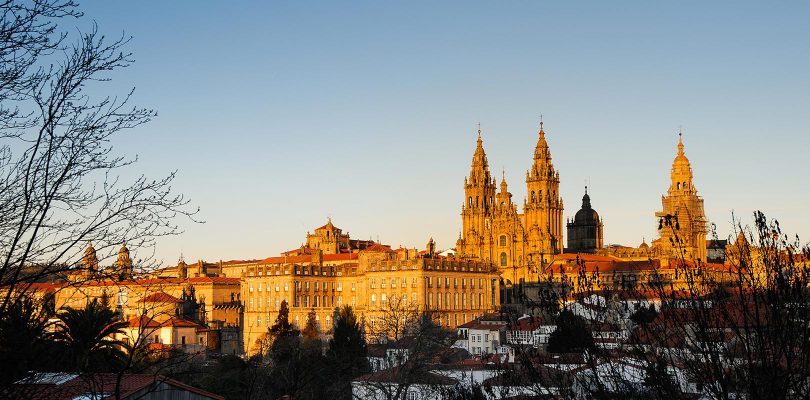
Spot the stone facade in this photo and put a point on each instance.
(685, 237)
(493, 230)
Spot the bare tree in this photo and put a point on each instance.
(60, 177)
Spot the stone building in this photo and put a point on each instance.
(585, 230)
(685, 236)
(493, 230)
(371, 280)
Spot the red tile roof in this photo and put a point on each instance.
(147, 322)
(71, 386)
(160, 297)
(379, 248)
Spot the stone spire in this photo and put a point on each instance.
(123, 265)
(685, 236)
(586, 200)
(541, 151)
(681, 174)
(90, 260)
(479, 170)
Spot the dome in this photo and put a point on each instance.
(586, 215)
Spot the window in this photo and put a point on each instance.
(383, 299)
(260, 286)
(340, 286)
(413, 297)
(393, 283)
(502, 240)
(183, 340)
(353, 289)
(382, 283)
(373, 283)
(503, 259)
(251, 287)
(286, 286)
(373, 300)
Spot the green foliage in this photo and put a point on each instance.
(311, 331)
(87, 336)
(282, 325)
(346, 355)
(21, 346)
(572, 335)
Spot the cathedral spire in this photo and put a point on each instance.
(479, 172)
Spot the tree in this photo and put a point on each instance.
(88, 337)
(347, 352)
(60, 175)
(744, 324)
(60, 184)
(572, 334)
(22, 339)
(311, 331)
(396, 315)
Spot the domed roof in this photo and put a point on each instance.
(680, 159)
(586, 215)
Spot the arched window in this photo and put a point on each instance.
(477, 201)
(373, 300)
(469, 201)
(503, 259)
(533, 196)
(502, 240)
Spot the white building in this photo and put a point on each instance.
(530, 331)
(482, 336)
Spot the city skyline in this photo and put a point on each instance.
(369, 114)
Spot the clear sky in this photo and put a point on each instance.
(279, 114)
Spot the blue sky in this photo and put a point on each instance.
(279, 114)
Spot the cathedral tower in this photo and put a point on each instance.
(686, 235)
(476, 212)
(123, 264)
(543, 208)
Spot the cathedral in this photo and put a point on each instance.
(492, 228)
(523, 242)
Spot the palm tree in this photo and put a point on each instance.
(88, 337)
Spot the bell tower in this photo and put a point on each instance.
(543, 208)
(479, 201)
(685, 235)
